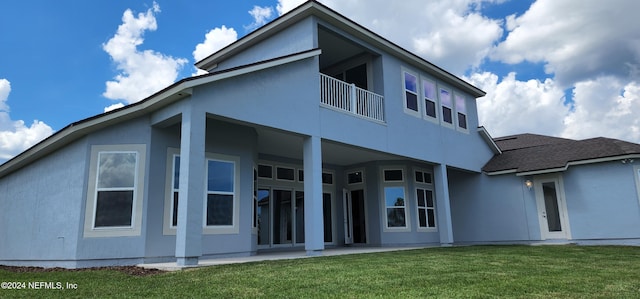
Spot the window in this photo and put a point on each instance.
(220, 193)
(285, 173)
(411, 93)
(395, 204)
(424, 177)
(265, 171)
(429, 91)
(393, 175)
(462, 112)
(355, 177)
(174, 187)
(425, 201)
(255, 200)
(114, 199)
(447, 107)
(327, 178)
(426, 208)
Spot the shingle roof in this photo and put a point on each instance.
(532, 153)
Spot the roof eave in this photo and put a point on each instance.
(565, 167)
(172, 93)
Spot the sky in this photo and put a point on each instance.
(565, 68)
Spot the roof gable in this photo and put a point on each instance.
(330, 16)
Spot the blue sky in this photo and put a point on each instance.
(563, 68)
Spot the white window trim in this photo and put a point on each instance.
(436, 100)
(466, 114)
(275, 173)
(451, 125)
(418, 96)
(167, 223)
(254, 202)
(383, 200)
(223, 229)
(138, 194)
(636, 174)
(430, 187)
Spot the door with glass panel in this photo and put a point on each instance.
(354, 217)
(552, 208)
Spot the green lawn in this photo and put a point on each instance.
(469, 272)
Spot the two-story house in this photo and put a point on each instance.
(310, 132)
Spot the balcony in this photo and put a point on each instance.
(348, 98)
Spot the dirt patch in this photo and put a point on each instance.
(131, 270)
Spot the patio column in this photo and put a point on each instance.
(442, 204)
(191, 189)
(313, 220)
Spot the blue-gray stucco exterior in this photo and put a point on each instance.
(261, 105)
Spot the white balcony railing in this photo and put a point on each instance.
(347, 97)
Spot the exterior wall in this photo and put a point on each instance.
(412, 236)
(602, 201)
(221, 138)
(295, 38)
(41, 207)
(94, 251)
(286, 97)
(492, 208)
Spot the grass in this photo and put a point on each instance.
(460, 272)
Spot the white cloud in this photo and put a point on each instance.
(113, 107)
(214, 40)
(576, 40)
(284, 6)
(15, 136)
(261, 15)
(514, 107)
(605, 106)
(451, 34)
(141, 73)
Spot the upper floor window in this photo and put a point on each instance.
(114, 201)
(447, 106)
(411, 92)
(429, 91)
(461, 109)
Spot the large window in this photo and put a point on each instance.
(115, 194)
(221, 208)
(447, 106)
(430, 104)
(461, 109)
(425, 201)
(220, 193)
(395, 204)
(411, 93)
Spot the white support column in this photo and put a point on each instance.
(191, 189)
(313, 220)
(442, 205)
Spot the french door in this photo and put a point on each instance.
(281, 217)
